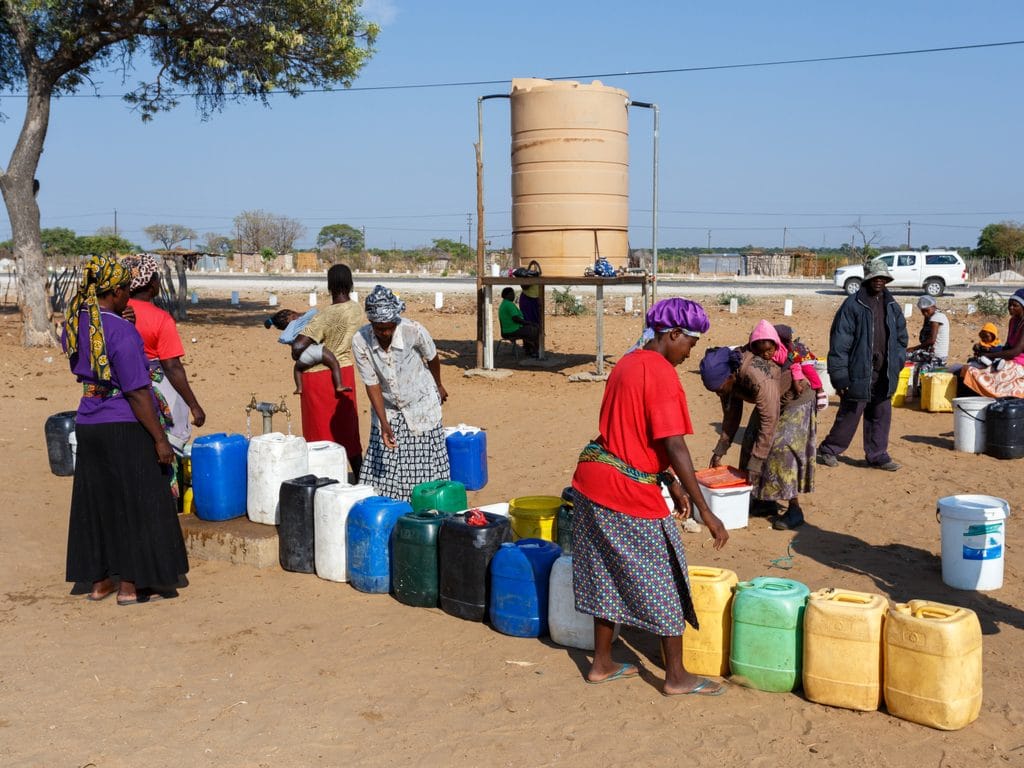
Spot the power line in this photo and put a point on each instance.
(627, 73)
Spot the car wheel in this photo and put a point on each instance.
(934, 286)
(851, 286)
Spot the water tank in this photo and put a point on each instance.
(570, 175)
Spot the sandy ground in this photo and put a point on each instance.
(267, 668)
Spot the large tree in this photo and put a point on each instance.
(258, 229)
(169, 235)
(341, 236)
(215, 50)
(1004, 240)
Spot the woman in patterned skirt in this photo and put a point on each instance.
(628, 560)
(398, 363)
(1006, 377)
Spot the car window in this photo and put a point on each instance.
(940, 258)
(887, 260)
(906, 260)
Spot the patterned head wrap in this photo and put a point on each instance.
(143, 267)
(382, 306)
(688, 316)
(100, 275)
(719, 364)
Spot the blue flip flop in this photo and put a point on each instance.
(700, 689)
(624, 672)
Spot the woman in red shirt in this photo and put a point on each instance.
(628, 561)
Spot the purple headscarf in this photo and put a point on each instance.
(688, 316)
(719, 364)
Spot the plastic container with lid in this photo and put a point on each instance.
(442, 495)
(520, 576)
(467, 455)
(414, 574)
(464, 558)
(368, 542)
(295, 532)
(932, 665)
(273, 458)
(706, 650)
(534, 517)
(842, 664)
(331, 507)
(767, 633)
(219, 476)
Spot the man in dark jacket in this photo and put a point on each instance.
(867, 349)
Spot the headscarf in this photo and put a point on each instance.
(143, 267)
(1018, 296)
(688, 316)
(100, 275)
(925, 301)
(382, 306)
(719, 364)
(766, 331)
(991, 328)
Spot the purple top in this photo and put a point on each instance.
(128, 369)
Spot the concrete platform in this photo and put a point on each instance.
(237, 541)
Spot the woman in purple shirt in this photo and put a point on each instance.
(123, 534)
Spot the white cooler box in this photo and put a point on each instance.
(730, 505)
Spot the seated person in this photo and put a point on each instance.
(291, 324)
(988, 340)
(513, 325)
(934, 336)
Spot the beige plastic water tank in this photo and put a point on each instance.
(570, 175)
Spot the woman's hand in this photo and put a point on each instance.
(683, 508)
(164, 452)
(198, 416)
(716, 460)
(387, 436)
(442, 392)
(715, 526)
(128, 313)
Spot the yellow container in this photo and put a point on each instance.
(533, 517)
(937, 392)
(933, 664)
(899, 397)
(188, 505)
(706, 650)
(843, 648)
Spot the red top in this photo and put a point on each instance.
(158, 331)
(643, 404)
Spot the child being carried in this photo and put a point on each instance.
(291, 324)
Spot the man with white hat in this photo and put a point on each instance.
(867, 350)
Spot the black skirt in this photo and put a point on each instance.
(124, 523)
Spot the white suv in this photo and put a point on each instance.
(931, 271)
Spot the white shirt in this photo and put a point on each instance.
(401, 372)
(941, 349)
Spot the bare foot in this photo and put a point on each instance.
(298, 391)
(102, 589)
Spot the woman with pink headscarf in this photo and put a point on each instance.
(780, 439)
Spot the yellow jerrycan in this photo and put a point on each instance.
(706, 650)
(843, 648)
(933, 664)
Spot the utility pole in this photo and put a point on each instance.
(709, 241)
(784, 231)
(908, 233)
(115, 222)
(469, 228)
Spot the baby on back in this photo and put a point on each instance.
(291, 324)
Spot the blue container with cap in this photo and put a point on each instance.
(467, 455)
(368, 542)
(520, 574)
(219, 476)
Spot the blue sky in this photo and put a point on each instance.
(932, 138)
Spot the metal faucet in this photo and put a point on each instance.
(268, 410)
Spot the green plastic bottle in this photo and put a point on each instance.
(767, 633)
(442, 495)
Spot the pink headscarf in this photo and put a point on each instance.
(766, 330)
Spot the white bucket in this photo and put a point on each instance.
(969, 423)
(973, 540)
(73, 442)
(821, 367)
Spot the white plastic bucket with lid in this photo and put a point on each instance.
(973, 540)
(969, 423)
(73, 442)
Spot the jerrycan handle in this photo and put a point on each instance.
(776, 586)
(847, 597)
(704, 571)
(744, 585)
(935, 612)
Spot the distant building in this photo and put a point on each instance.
(722, 264)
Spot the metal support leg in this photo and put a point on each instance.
(600, 329)
(488, 328)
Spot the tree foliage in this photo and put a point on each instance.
(216, 52)
(456, 250)
(216, 244)
(169, 235)
(341, 236)
(258, 229)
(1004, 240)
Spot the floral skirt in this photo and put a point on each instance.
(789, 469)
(630, 570)
(1008, 381)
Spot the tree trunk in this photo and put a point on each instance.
(16, 183)
(179, 265)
